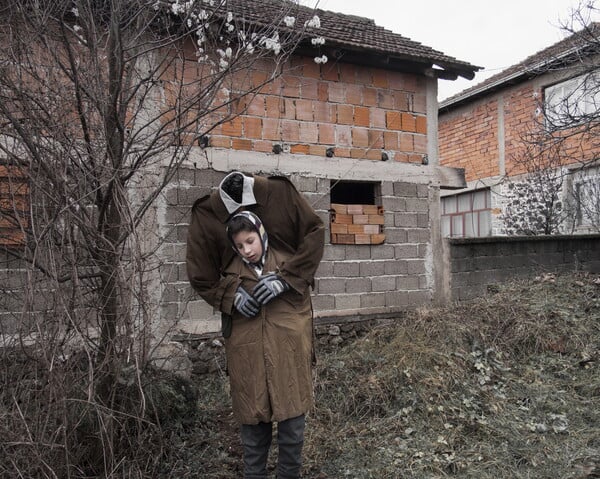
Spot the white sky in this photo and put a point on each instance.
(491, 34)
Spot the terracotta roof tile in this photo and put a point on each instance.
(350, 32)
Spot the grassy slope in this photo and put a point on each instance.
(507, 386)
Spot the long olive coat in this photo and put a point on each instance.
(269, 357)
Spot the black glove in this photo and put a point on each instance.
(245, 303)
(269, 286)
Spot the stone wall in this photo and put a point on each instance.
(476, 264)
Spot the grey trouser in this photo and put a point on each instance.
(256, 440)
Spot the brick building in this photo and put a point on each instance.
(357, 135)
(537, 117)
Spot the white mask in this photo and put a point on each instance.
(247, 193)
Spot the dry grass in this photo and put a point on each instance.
(507, 386)
(504, 387)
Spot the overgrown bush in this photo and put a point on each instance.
(51, 427)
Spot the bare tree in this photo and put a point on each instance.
(100, 102)
(562, 144)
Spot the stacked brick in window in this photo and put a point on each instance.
(356, 224)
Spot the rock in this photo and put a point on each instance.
(334, 330)
(173, 357)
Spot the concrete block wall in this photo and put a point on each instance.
(368, 279)
(476, 263)
(352, 281)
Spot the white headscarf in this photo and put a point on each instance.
(257, 225)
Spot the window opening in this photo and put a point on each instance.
(573, 101)
(467, 214)
(355, 216)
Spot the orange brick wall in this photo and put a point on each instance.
(519, 116)
(468, 136)
(358, 111)
(469, 139)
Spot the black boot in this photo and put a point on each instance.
(256, 440)
(290, 439)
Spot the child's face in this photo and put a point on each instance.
(248, 245)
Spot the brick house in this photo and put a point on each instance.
(536, 116)
(357, 135)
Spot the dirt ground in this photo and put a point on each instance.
(507, 386)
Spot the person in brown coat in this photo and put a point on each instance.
(266, 307)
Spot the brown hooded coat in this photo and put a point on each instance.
(269, 357)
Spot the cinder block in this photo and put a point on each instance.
(408, 190)
(182, 274)
(415, 266)
(358, 285)
(323, 302)
(387, 188)
(396, 299)
(382, 252)
(330, 286)
(396, 267)
(373, 268)
(358, 252)
(334, 253)
(372, 300)
(405, 220)
(177, 214)
(347, 301)
(407, 283)
(325, 269)
(405, 251)
(418, 235)
(423, 191)
(396, 236)
(383, 283)
(419, 205)
(168, 272)
(346, 268)
(394, 203)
